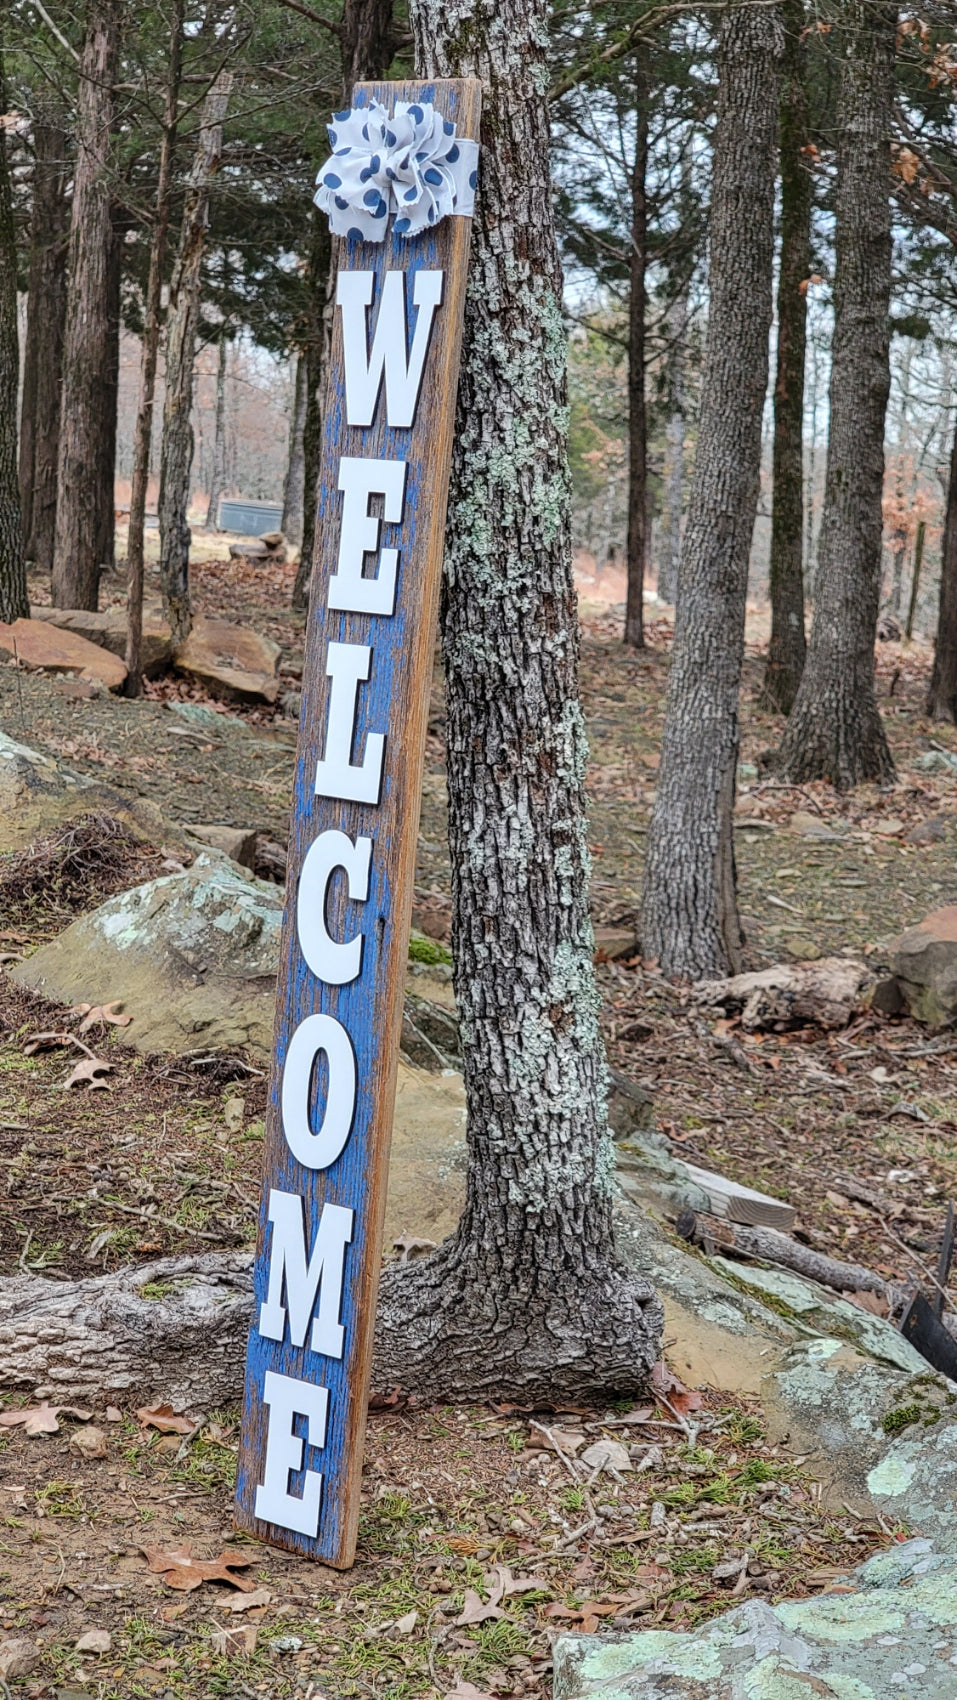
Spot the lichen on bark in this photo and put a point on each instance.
(527, 1298)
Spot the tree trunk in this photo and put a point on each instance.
(835, 730)
(43, 350)
(87, 346)
(217, 483)
(689, 906)
(366, 51)
(152, 315)
(76, 1340)
(314, 356)
(637, 419)
(14, 604)
(181, 324)
(526, 1300)
(674, 451)
(942, 696)
(788, 644)
(106, 438)
(291, 523)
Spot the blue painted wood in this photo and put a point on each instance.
(394, 701)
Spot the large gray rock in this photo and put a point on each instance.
(923, 960)
(891, 1632)
(193, 957)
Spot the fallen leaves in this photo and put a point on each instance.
(672, 1391)
(607, 1455)
(100, 1015)
(90, 1069)
(165, 1419)
(180, 1570)
(42, 1418)
(240, 1640)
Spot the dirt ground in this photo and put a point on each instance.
(858, 1129)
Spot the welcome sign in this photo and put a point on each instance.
(387, 445)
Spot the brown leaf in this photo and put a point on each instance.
(100, 1015)
(467, 1691)
(44, 1042)
(249, 1602)
(164, 1418)
(89, 1068)
(556, 1439)
(40, 1419)
(179, 1569)
(906, 164)
(681, 1398)
(474, 1611)
(869, 1302)
(240, 1640)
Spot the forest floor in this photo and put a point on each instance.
(858, 1129)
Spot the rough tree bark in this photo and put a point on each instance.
(43, 343)
(366, 49)
(105, 546)
(637, 544)
(942, 696)
(526, 1299)
(79, 1340)
(181, 324)
(294, 487)
(689, 908)
(835, 730)
(87, 357)
(13, 573)
(786, 574)
(674, 469)
(217, 483)
(152, 317)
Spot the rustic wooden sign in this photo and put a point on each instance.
(387, 445)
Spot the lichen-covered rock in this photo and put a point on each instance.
(923, 960)
(193, 956)
(890, 1631)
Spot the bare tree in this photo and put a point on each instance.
(526, 1298)
(637, 413)
(942, 696)
(788, 642)
(181, 327)
(293, 490)
(689, 905)
(143, 429)
(217, 483)
(88, 386)
(835, 731)
(13, 574)
(43, 343)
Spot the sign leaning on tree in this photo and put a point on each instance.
(398, 189)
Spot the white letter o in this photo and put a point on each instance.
(318, 1033)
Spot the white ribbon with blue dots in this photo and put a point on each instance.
(411, 165)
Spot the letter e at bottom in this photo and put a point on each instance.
(288, 1398)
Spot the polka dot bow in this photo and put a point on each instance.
(411, 165)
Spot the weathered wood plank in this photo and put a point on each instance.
(393, 702)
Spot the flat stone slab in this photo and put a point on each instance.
(890, 1631)
(107, 628)
(232, 660)
(40, 644)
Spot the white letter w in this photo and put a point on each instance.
(403, 371)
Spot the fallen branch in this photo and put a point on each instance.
(825, 994)
(768, 1246)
